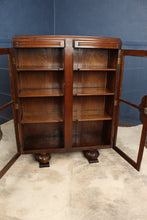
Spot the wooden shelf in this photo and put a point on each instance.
(99, 146)
(40, 119)
(94, 117)
(94, 69)
(40, 92)
(19, 69)
(91, 91)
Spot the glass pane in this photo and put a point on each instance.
(8, 147)
(129, 131)
(5, 93)
(133, 89)
(134, 81)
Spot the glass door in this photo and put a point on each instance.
(94, 92)
(131, 114)
(9, 142)
(39, 72)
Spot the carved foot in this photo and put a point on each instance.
(43, 159)
(91, 155)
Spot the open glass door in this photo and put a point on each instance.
(131, 113)
(9, 141)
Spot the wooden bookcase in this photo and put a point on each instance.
(66, 94)
(65, 89)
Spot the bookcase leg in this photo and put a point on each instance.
(91, 155)
(43, 159)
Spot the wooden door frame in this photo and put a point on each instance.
(141, 108)
(7, 51)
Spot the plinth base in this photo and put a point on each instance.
(43, 159)
(91, 155)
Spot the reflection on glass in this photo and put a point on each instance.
(129, 131)
(128, 139)
(8, 147)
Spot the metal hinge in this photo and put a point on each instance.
(115, 103)
(16, 44)
(118, 60)
(16, 106)
(145, 111)
(13, 60)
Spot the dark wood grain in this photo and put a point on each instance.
(117, 98)
(4, 51)
(129, 103)
(105, 43)
(139, 53)
(54, 41)
(6, 105)
(37, 42)
(9, 164)
(62, 150)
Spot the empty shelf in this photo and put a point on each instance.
(95, 117)
(40, 92)
(31, 68)
(91, 91)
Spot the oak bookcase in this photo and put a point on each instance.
(66, 89)
(66, 93)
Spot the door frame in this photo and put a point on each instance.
(7, 51)
(142, 109)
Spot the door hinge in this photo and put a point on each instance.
(118, 60)
(145, 111)
(115, 103)
(16, 106)
(13, 60)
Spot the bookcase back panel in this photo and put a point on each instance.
(109, 104)
(43, 136)
(86, 79)
(40, 58)
(41, 80)
(88, 106)
(112, 58)
(111, 81)
(91, 133)
(107, 131)
(42, 109)
(90, 58)
(94, 58)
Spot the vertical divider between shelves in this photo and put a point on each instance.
(68, 78)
